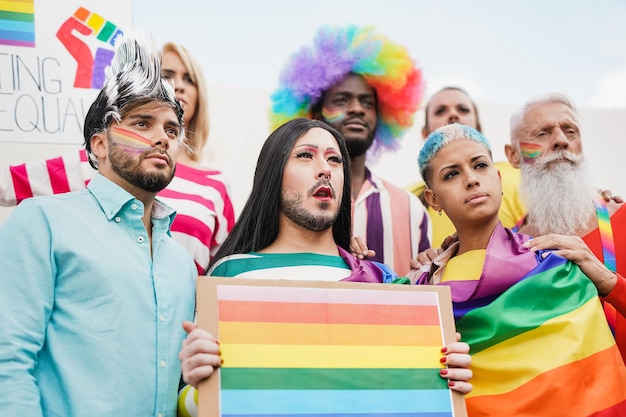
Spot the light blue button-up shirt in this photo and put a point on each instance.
(90, 322)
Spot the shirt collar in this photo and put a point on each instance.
(371, 178)
(113, 198)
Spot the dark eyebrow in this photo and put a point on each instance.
(477, 157)
(141, 116)
(455, 166)
(350, 94)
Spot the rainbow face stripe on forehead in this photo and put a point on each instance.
(333, 116)
(131, 141)
(530, 151)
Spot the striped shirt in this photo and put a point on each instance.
(392, 221)
(293, 266)
(204, 211)
(303, 267)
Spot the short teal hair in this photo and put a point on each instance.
(441, 137)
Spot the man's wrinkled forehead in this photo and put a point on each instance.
(547, 114)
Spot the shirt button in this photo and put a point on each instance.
(133, 206)
(117, 220)
(140, 239)
(161, 318)
(162, 364)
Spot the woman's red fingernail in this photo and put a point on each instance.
(443, 371)
(217, 343)
(442, 360)
(221, 361)
(450, 384)
(444, 349)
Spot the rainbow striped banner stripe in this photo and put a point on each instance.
(325, 351)
(17, 23)
(542, 347)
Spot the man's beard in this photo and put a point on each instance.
(291, 204)
(129, 168)
(558, 195)
(357, 146)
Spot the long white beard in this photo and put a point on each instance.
(558, 194)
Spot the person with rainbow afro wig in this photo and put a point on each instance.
(368, 88)
(336, 52)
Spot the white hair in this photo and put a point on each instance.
(517, 120)
(558, 193)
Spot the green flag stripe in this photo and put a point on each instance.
(325, 378)
(526, 306)
(15, 16)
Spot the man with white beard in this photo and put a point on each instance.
(546, 145)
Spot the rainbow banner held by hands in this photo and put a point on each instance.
(335, 349)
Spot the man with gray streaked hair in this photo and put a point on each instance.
(546, 145)
(93, 286)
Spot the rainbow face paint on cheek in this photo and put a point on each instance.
(333, 116)
(530, 151)
(131, 142)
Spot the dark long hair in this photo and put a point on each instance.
(257, 226)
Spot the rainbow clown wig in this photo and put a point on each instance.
(336, 52)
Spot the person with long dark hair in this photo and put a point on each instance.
(296, 225)
(278, 218)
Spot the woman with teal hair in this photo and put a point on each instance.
(532, 318)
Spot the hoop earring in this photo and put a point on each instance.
(440, 210)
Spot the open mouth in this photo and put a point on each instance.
(323, 193)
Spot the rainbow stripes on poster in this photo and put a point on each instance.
(101, 28)
(17, 23)
(542, 347)
(297, 351)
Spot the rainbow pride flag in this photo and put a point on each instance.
(17, 23)
(542, 347)
(326, 351)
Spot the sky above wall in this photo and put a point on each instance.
(500, 51)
